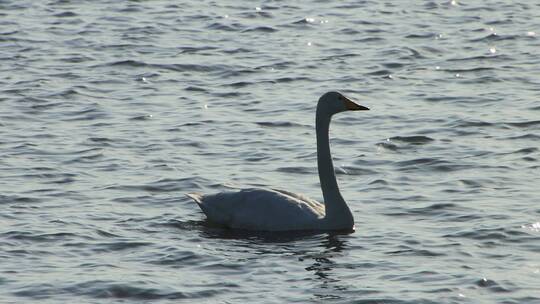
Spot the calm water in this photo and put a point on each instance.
(111, 110)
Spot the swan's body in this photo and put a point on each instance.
(280, 210)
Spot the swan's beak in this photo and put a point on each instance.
(353, 106)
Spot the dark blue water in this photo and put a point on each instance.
(110, 111)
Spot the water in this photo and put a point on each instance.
(111, 110)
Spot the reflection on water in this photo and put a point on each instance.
(323, 266)
(321, 251)
(209, 229)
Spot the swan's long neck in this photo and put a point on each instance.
(337, 211)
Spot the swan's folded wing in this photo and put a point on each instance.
(311, 202)
(262, 209)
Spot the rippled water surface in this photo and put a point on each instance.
(111, 110)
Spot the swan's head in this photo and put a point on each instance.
(334, 102)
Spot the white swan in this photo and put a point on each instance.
(280, 210)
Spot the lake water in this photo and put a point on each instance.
(111, 110)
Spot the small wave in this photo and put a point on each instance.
(61, 179)
(130, 63)
(178, 67)
(305, 21)
(100, 141)
(431, 5)
(388, 146)
(233, 72)
(489, 234)
(196, 89)
(290, 79)
(257, 14)
(415, 139)
(414, 54)
(255, 156)
(164, 185)
(69, 93)
(192, 49)
(433, 50)
(262, 29)
(47, 106)
(88, 113)
(483, 79)
(228, 94)
(525, 151)
(66, 14)
(91, 158)
(439, 209)
(33, 237)
(240, 84)
(524, 124)
(369, 39)
(481, 58)
(434, 209)
(431, 164)
(297, 170)
(485, 283)
(278, 124)
(463, 71)
(141, 117)
(393, 65)
(348, 170)
(10, 199)
(471, 183)
(106, 234)
(177, 259)
(192, 124)
(337, 56)
(380, 73)
(11, 32)
(446, 98)
(182, 225)
(239, 50)
(491, 285)
(495, 37)
(77, 59)
(117, 246)
(407, 250)
(472, 124)
(421, 36)
(9, 38)
(379, 182)
(378, 24)
(107, 289)
(225, 27)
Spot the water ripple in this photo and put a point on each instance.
(111, 111)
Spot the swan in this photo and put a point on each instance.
(260, 209)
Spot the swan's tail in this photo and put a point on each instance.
(197, 197)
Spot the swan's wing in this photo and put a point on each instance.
(311, 202)
(261, 209)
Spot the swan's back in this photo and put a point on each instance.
(261, 209)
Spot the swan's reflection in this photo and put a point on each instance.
(213, 231)
(325, 260)
(333, 244)
(321, 251)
